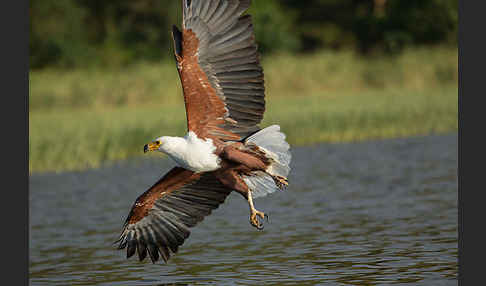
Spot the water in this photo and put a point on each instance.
(373, 213)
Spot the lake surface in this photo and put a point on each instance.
(373, 213)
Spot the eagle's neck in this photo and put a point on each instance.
(192, 152)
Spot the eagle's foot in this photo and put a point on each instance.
(280, 181)
(254, 220)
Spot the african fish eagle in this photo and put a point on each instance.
(224, 149)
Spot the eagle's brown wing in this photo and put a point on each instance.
(218, 64)
(160, 218)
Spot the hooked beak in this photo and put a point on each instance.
(151, 146)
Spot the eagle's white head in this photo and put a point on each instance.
(164, 144)
(189, 152)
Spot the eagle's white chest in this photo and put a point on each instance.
(193, 153)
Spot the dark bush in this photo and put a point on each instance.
(71, 33)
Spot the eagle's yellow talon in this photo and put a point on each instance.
(281, 182)
(254, 220)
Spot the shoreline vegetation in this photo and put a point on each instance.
(85, 118)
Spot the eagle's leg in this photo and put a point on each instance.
(231, 178)
(254, 213)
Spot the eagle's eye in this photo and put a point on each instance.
(158, 142)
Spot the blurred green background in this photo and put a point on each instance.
(103, 80)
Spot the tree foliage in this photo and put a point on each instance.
(71, 33)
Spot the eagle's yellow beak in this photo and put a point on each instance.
(151, 146)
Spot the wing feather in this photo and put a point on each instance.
(218, 54)
(142, 250)
(160, 218)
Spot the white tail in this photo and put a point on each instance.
(272, 142)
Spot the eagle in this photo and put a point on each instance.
(224, 149)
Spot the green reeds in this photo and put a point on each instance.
(83, 119)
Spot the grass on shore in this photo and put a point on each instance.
(71, 140)
(83, 119)
(325, 74)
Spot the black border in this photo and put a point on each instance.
(14, 23)
(471, 183)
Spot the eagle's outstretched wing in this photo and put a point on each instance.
(160, 218)
(218, 64)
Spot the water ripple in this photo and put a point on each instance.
(368, 213)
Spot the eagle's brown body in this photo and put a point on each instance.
(238, 159)
(223, 87)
